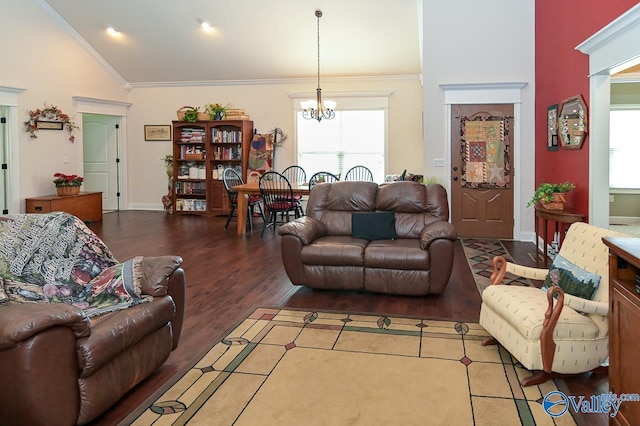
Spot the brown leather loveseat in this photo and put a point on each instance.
(321, 251)
(60, 367)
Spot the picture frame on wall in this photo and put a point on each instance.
(552, 128)
(157, 132)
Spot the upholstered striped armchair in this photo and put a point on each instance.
(552, 332)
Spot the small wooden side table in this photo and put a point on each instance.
(86, 205)
(566, 215)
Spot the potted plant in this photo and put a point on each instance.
(191, 115)
(67, 184)
(168, 164)
(216, 111)
(551, 195)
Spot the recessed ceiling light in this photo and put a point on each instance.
(112, 30)
(206, 26)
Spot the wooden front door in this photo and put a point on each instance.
(481, 170)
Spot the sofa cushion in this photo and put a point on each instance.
(335, 250)
(374, 225)
(524, 309)
(114, 332)
(402, 254)
(571, 279)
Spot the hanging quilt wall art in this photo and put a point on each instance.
(485, 152)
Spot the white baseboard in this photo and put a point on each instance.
(624, 220)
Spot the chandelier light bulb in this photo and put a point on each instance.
(111, 30)
(206, 26)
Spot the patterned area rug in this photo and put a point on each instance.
(480, 253)
(290, 367)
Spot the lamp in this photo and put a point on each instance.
(316, 108)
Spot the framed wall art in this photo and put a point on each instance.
(157, 132)
(572, 122)
(552, 128)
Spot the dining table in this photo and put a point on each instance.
(253, 188)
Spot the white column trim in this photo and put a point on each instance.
(611, 48)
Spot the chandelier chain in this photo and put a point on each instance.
(318, 29)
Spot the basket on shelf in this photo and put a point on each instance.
(557, 202)
(198, 156)
(67, 190)
(181, 112)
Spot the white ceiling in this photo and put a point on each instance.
(161, 41)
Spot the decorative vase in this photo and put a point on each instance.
(67, 190)
(218, 116)
(169, 170)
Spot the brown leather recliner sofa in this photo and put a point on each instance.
(320, 251)
(58, 367)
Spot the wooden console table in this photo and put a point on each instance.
(86, 205)
(567, 216)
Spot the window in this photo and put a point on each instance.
(354, 137)
(624, 149)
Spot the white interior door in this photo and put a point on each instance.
(100, 153)
(4, 149)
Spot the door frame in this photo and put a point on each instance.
(112, 108)
(492, 93)
(9, 98)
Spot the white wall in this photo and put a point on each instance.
(38, 55)
(479, 42)
(269, 106)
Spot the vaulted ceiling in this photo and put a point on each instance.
(162, 41)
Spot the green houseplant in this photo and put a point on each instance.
(550, 195)
(191, 114)
(216, 111)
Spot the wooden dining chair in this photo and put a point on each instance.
(277, 196)
(297, 175)
(231, 178)
(321, 177)
(359, 173)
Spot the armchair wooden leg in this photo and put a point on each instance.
(540, 376)
(489, 341)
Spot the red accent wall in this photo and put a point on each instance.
(562, 72)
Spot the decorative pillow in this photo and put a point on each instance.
(374, 225)
(115, 288)
(571, 279)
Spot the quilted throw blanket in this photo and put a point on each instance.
(55, 258)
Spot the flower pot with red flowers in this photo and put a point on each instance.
(67, 184)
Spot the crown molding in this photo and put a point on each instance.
(275, 81)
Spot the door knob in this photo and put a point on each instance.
(455, 169)
(455, 178)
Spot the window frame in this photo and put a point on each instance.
(348, 101)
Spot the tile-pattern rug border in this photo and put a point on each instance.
(260, 345)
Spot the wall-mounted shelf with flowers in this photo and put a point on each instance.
(51, 117)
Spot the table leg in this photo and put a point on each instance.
(544, 238)
(242, 212)
(537, 226)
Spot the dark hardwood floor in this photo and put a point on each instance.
(229, 275)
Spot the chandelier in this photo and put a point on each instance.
(316, 108)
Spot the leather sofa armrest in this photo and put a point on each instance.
(305, 228)
(155, 273)
(436, 230)
(162, 275)
(22, 321)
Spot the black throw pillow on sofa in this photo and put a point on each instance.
(374, 225)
